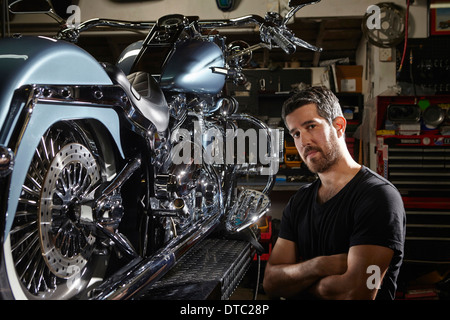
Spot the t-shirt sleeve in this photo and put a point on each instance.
(380, 219)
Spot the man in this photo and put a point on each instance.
(343, 232)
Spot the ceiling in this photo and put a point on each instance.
(339, 38)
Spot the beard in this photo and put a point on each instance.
(325, 158)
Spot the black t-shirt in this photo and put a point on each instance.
(367, 211)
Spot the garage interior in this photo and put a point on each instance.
(380, 79)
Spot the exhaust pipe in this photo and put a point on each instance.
(141, 273)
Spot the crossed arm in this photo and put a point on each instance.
(341, 276)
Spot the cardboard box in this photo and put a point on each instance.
(349, 78)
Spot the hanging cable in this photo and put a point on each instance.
(4, 8)
(258, 276)
(406, 37)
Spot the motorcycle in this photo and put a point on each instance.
(111, 173)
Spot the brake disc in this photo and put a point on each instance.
(66, 237)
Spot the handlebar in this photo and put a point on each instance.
(249, 20)
(72, 34)
(272, 30)
(277, 36)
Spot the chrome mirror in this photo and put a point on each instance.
(30, 6)
(296, 3)
(35, 6)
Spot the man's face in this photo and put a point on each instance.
(315, 139)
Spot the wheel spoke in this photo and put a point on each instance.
(22, 240)
(25, 213)
(52, 148)
(39, 161)
(29, 254)
(32, 268)
(42, 285)
(63, 180)
(30, 191)
(35, 181)
(44, 147)
(23, 227)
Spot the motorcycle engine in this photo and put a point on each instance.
(187, 188)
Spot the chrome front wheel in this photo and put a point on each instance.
(48, 253)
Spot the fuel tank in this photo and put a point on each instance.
(42, 60)
(188, 68)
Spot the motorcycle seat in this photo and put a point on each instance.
(144, 93)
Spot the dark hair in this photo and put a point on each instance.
(327, 103)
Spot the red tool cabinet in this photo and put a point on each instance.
(415, 157)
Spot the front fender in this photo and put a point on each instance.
(41, 60)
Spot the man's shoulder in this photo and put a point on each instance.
(374, 186)
(371, 178)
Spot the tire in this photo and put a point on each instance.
(49, 252)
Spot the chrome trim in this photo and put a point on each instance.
(104, 96)
(6, 161)
(122, 243)
(114, 187)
